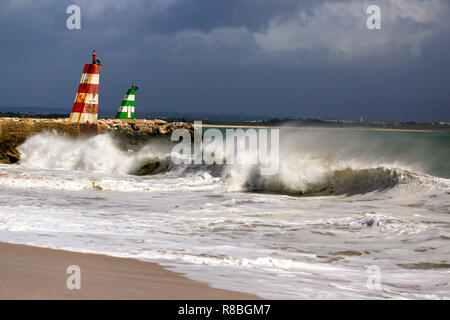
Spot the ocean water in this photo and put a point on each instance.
(350, 213)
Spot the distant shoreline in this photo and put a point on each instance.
(315, 128)
(224, 122)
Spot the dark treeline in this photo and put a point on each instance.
(33, 115)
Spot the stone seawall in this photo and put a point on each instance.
(14, 131)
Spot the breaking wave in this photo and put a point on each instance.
(99, 153)
(346, 181)
(306, 169)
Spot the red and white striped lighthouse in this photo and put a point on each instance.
(85, 107)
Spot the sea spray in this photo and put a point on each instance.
(100, 153)
(311, 163)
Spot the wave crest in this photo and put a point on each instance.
(337, 182)
(305, 170)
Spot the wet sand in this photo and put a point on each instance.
(36, 273)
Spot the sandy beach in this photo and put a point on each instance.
(37, 273)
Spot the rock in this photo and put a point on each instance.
(14, 131)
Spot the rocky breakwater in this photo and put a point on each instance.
(14, 131)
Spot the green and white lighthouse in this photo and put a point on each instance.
(126, 109)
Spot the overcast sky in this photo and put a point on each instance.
(280, 58)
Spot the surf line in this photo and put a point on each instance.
(242, 147)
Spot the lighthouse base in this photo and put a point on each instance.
(88, 128)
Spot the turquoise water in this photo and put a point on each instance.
(427, 152)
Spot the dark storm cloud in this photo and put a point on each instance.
(168, 17)
(279, 58)
(206, 15)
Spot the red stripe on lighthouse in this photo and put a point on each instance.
(88, 88)
(92, 68)
(78, 107)
(82, 107)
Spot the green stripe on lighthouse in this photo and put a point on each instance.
(126, 109)
(127, 103)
